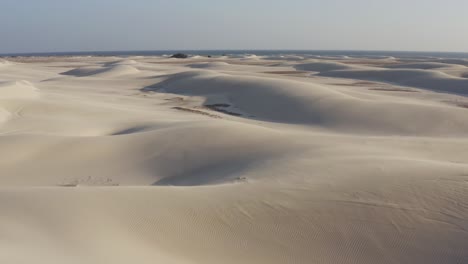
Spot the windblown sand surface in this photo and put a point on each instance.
(233, 160)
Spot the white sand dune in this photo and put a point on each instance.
(463, 62)
(208, 65)
(424, 75)
(123, 62)
(306, 103)
(285, 57)
(426, 79)
(4, 62)
(324, 66)
(242, 68)
(233, 160)
(110, 71)
(422, 65)
(18, 90)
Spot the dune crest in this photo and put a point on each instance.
(323, 66)
(18, 90)
(4, 62)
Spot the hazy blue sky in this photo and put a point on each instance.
(86, 25)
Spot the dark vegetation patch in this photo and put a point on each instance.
(286, 72)
(194, 111)
(175, 99)
(179, 56)
(221, 108)
(89, 181)
(462, 104)
(374, 86)
(218, 105)
(394, 90)
(360, 83)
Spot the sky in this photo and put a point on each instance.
(113, 25)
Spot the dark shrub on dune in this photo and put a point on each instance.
(179, 56)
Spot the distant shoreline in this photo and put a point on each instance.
(351, 53)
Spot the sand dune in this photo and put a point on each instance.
(422, 65)
(4, 62)
(323, 66)
(426, 79)
(285, 57)
(143, 157)
(109, 71)
(218, 160)
(305, 103)
(207, 65)
(425, 75)
(18, 90)
(463, 62)
(123, 62)
(242, 68)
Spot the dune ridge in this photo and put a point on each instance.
(18, 90)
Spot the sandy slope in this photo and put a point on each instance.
(250, 159)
